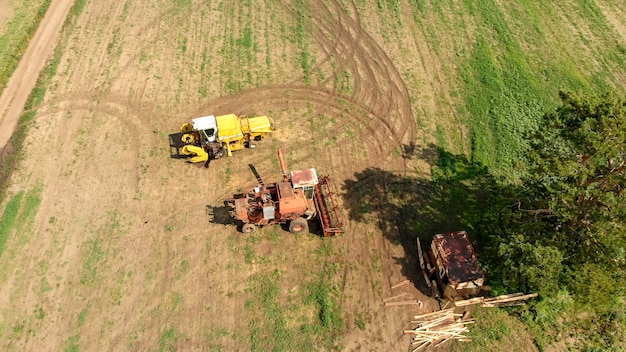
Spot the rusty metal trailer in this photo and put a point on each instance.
(452, 260)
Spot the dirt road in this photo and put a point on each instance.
(25, 76)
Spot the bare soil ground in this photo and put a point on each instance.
(122, 255)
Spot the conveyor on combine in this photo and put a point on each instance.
(326, 207)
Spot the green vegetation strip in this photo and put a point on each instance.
(300, 34)
(8, 219)
(18, 214)
(10, 162)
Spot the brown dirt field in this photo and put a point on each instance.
(121, 251)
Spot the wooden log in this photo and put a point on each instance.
(393, 297)
(439, 321)
(429, 263)
(470, 301)
(401, 303)
(426, 278)
(513, 299)
(436, 320)
(423, 342)
(434, 289)
(437, 312)
(505, 304)
(504, 296)
(420, 255)
(403, 282)
(446, 304)
(420, 347)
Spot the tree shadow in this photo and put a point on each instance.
(411, 206)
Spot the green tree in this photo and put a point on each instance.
(561, 231)
(579, 157)
(578, 175)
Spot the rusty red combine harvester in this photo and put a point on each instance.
(299, 197)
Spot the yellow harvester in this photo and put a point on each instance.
(212, 137)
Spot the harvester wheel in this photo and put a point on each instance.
(248, 228)
(220, 153)
(298, 225)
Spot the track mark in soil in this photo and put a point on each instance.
(377, 83)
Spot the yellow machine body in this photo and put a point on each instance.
(215, 136)
(199, 155)
(234, 131)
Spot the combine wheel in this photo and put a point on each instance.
(298, 225)
(220, 153)
(248, 228)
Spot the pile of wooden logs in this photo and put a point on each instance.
(434, 329)
(513, 299)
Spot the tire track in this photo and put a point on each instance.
(378, 87)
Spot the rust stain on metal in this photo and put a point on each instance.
(304, 178)
(458, 258)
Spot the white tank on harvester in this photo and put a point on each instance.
(212, 137)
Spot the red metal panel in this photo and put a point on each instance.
(457, 257)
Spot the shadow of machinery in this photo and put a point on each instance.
(219, 215)
(410, 206)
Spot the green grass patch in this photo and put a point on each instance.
(239, 67)
(515, 70)
(82, 316)
(322, 294)
(72, 344)
(501, 91)
(168, 340)
(8, 218)
(29, 209)
(494, 330)
(93, 256)
(306, 320)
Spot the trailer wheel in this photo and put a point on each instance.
(248, 228)
(298, 225)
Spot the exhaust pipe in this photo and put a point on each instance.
(283, 168)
